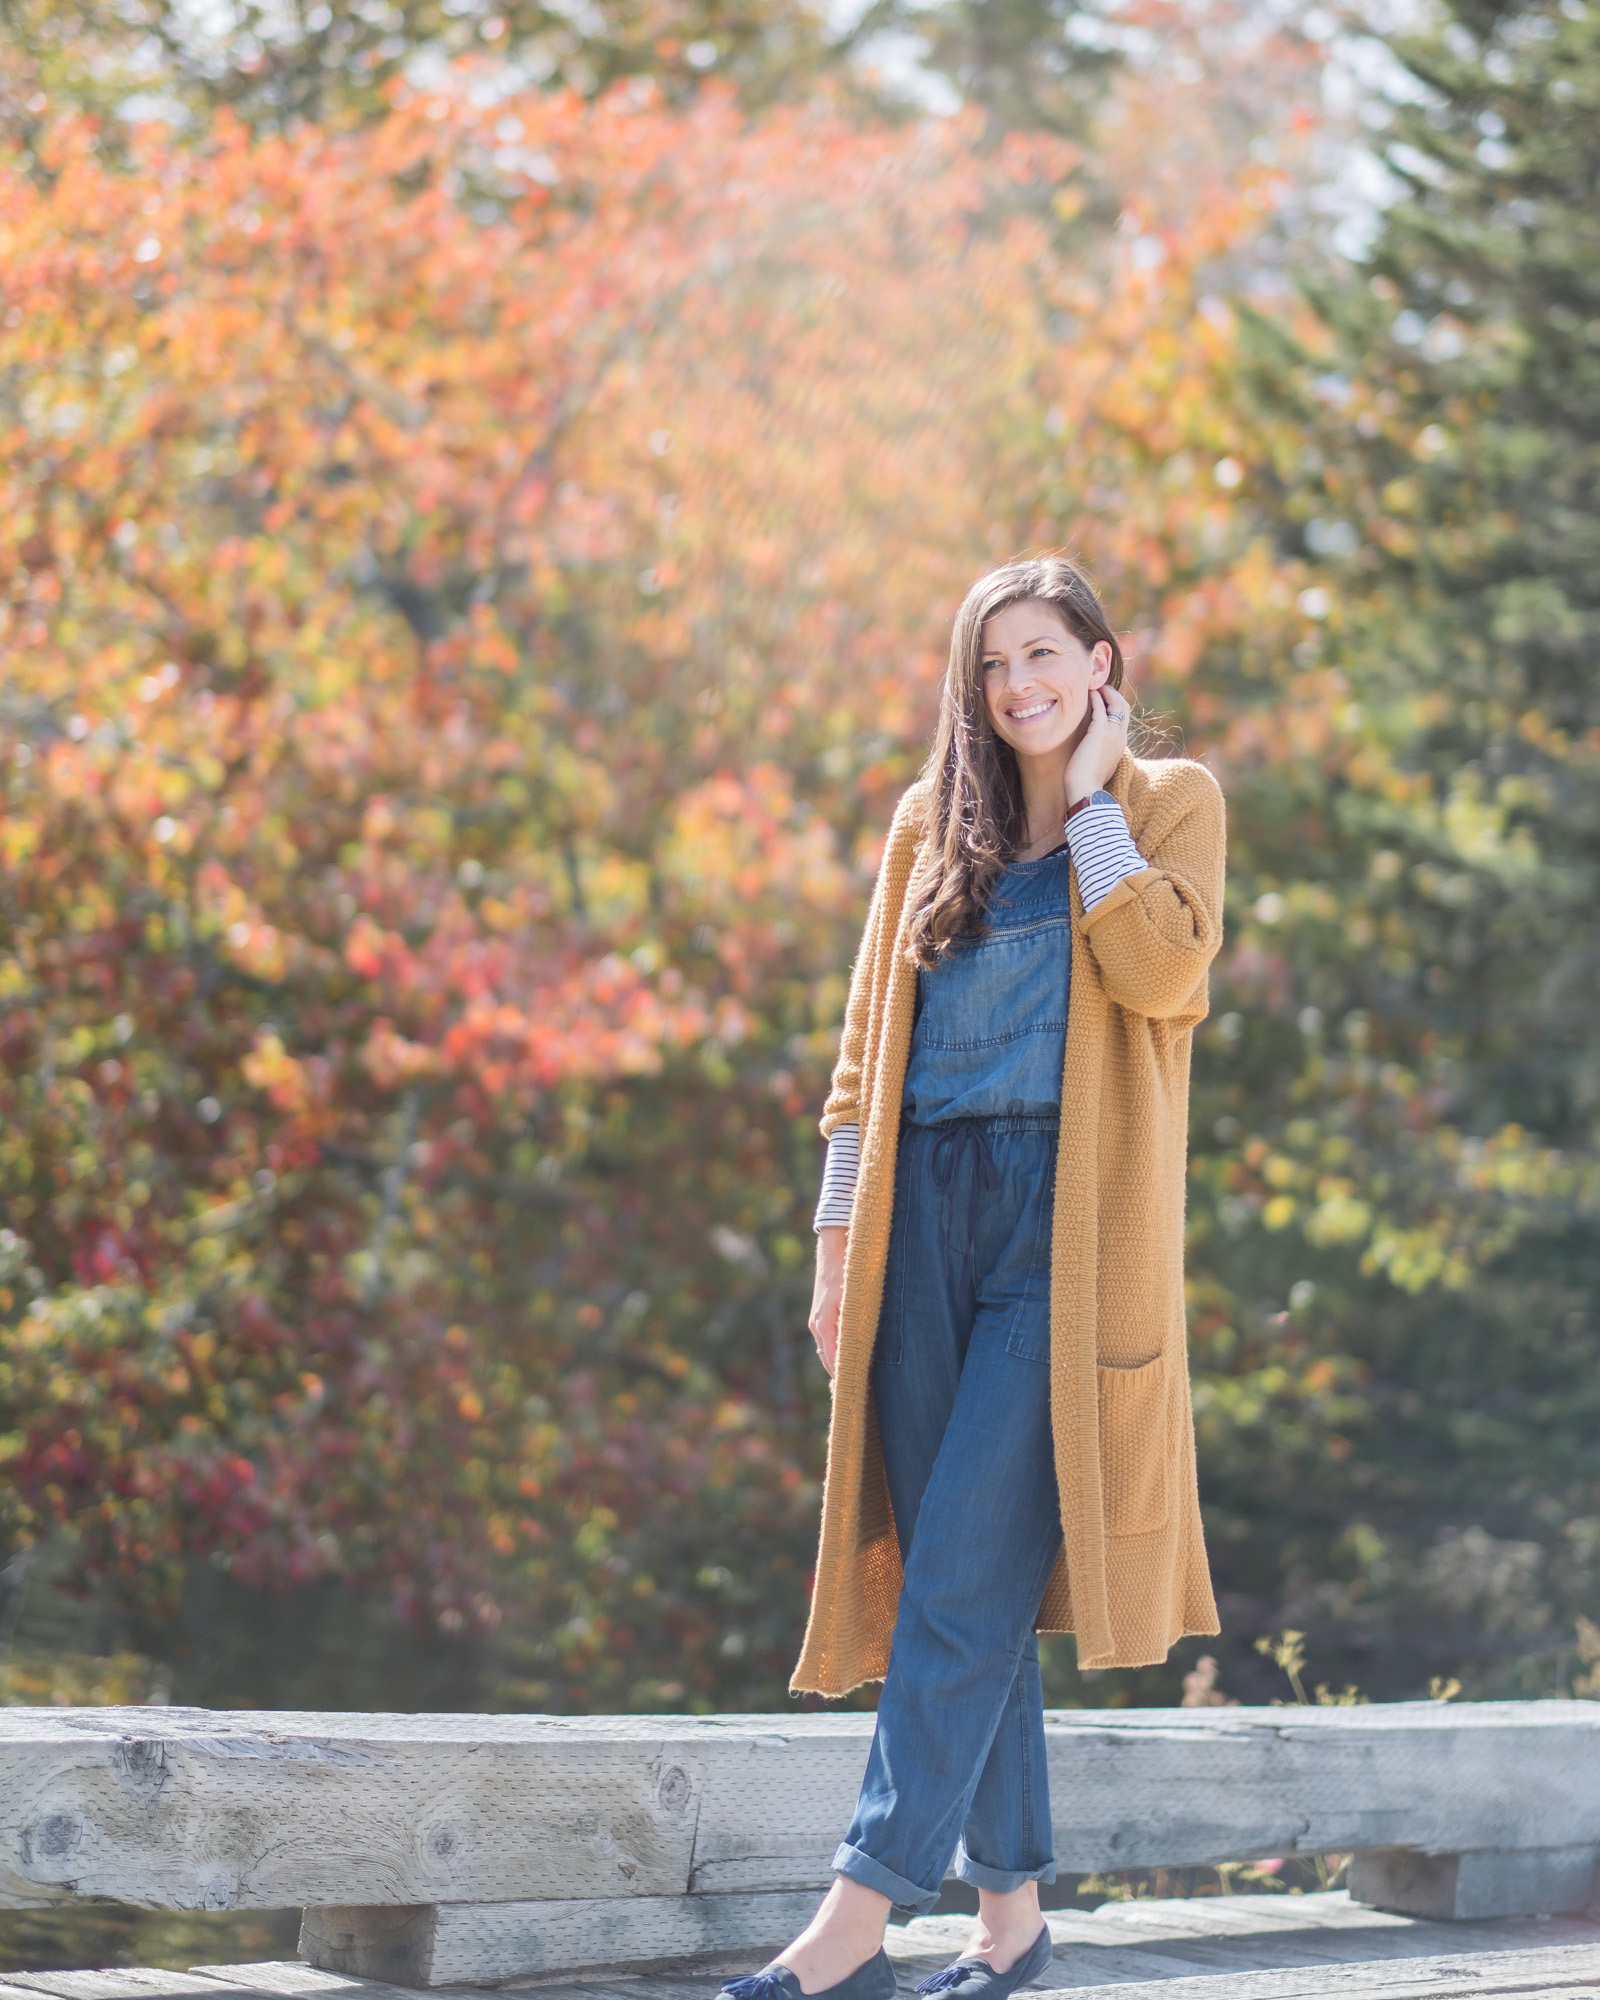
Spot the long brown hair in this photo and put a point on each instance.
(976, 822)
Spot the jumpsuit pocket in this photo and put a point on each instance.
(1135, 1447)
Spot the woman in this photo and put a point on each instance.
(999, 1289)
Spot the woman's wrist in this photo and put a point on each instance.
(1082, 785)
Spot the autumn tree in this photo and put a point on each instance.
(477, 575)
(333, 63)
(475, 586)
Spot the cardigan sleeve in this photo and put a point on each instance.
(843, 1106)
(1156, 932)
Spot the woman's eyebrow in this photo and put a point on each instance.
(1044, 639)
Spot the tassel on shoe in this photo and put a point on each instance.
(976, 1979)
(763, 1985)
(952, 1975)
(873, 1981)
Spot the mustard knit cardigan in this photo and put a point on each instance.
(1132, 1577)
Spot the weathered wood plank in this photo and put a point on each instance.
(1291, 1937)
(193, 1809)
(1265, 1916)
(1301, 1781)
(1333, 1908)
(288, 1979)
(117, 1983)
(1456, 1886)
(1239, 1948)
(1137, 1939)
(447, 1944)
(1571, 1972)
(1333, 1921)
(494, 1943)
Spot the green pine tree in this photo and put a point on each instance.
(1397, 1266)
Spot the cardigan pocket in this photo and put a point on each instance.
(1135, 1450)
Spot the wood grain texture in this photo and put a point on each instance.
(190, 1809)
(1305, 1781)
(186, 1809)
(193, 1809)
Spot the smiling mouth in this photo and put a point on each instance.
(1030, 711)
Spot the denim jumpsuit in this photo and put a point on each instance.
(961, 1378)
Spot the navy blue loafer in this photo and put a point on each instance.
(872, 1981)
(974, 1979)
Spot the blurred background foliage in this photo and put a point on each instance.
(485, 493)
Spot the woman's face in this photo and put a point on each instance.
(1037, 677)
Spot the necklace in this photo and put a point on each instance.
(1036, 850)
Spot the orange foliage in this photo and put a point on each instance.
(471, 590)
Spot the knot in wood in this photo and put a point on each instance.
(52, 1838)
(218, 1892)
(142, 1760)
(674, 1789)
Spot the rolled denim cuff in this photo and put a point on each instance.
(872, 1874)
(1001, 1880)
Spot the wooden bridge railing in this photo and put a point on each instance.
(437, 1850)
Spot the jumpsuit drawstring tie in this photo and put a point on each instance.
(957, 1138)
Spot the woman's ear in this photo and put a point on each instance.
(1099, 664)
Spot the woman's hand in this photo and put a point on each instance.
(1100, 748)
(826, 1293)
